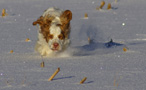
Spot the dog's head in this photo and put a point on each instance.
(55, 30)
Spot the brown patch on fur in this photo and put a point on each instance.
(65, 20)
(61, 36)
(44, 23)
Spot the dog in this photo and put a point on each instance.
(54, 31)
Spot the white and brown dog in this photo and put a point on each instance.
(54, 30)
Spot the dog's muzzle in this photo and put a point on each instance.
(56, 45)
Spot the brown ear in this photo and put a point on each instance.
(67, 14)
(38, 21)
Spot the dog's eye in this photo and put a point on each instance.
(50, 36)
(61, 36)
(58, 25)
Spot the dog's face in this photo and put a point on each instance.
(55, 30)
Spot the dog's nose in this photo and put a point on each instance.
(55, 45)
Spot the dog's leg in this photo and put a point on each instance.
(40, 48)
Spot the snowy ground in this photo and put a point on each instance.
(106, 65)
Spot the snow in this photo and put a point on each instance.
(103, 61)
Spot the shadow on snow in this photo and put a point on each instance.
(97, 48)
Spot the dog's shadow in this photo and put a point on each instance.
(94, 47)
(97, 48)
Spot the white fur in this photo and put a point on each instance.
(53, 11)
(42, 46)
(55, 31)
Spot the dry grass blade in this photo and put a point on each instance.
(83, 80)
(42, 64)
(102, 4)
(54, 74)
(109, 6)
(4, 13)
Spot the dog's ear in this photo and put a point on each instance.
(38, 21)
(67, 14)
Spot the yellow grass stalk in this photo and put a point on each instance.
(109, 6)
(86, 15)
(42, 64)
(89, 40)
(124, 49)
(4, 13)
(54, 74)
(11, 51)
(102, 4)
(83, 80)
(27, 40)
